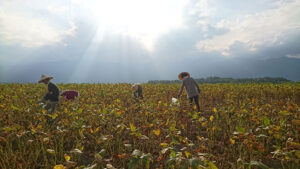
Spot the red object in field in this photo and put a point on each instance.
(70, 94)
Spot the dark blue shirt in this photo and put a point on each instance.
(53, 92)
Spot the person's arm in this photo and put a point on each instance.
(196, 84)
(48, 94)
(181, 89)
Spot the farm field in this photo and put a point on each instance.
(239, 126)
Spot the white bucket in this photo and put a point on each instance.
(174, 102)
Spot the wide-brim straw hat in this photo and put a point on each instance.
(45, 77)
(180, 77)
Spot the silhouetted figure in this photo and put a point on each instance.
(192, 88)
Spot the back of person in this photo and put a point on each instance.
(191, 88)
(53, 92)
(70, 94)
(138, 91)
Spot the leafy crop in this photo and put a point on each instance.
(239, 126)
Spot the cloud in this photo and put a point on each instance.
(32, 26)
(297, 56)
(255, 30)
(202, 10)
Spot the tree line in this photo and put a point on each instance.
(215, 79)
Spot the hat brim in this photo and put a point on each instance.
(45, 78)
(180, 77)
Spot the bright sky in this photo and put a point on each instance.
(144, 20)
(139, 40)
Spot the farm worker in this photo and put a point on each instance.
(69, 95)
(192, 88)
(137, 90)
(52, 95)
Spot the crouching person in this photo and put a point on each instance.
(70, 95)
(51, 98)
(137, 91)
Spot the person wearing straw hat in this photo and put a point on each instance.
(52, 95)
(137, 91)
(192, 88)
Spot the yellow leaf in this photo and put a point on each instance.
(156, 132)
(295, 144)
(232, 141)
(204, 124)
(199, 138)
(201, 119)
(60, 166)
(167, 122)
(54, 116)
(297, 154)
(66, 110)
(39, 126)
(215, 110)
(277, 128)
(43, 111)
(163, 144)
(211, 118)
(187, 154)
(50, 151)
(296, 122)
(67, 157)
(132, 127)
(118, 113)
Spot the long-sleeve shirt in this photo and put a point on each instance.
(53, 92)
(139, 92)
(192, 88)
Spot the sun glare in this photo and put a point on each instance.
(144, 20)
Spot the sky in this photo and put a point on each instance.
(117, 41)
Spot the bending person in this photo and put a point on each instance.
(137, 91)
(70, 95)
(192, 88)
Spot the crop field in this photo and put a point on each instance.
(239, 126)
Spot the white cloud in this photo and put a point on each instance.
(296, 56)
(58, 10)
(263, 28)
(29, 28)
(203, 10)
